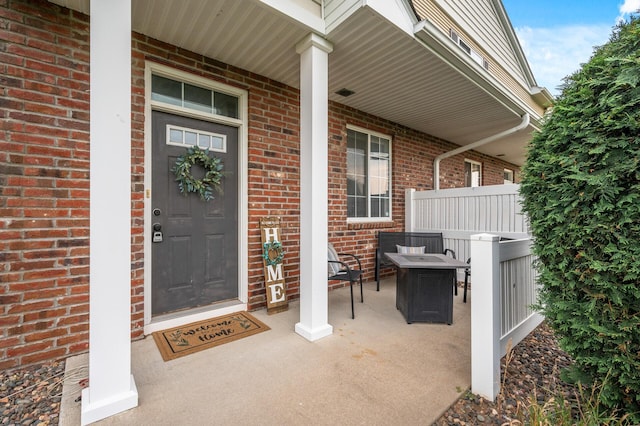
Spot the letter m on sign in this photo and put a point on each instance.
(274, 273)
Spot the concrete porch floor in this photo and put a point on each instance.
(374, 370)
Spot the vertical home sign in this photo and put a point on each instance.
(272, 255)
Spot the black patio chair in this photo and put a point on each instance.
(341, 271)
(467, 274)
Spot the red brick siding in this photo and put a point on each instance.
(44, 176)
(44, 186)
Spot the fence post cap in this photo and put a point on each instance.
(485, 237)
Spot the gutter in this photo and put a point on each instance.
(436, 162)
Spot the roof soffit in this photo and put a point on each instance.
(394, 76)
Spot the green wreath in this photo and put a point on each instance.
(272, 246)
(187, 183)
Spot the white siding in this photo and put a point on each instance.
(479, 19)
(336, 11)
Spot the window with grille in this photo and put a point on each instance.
(368, 175)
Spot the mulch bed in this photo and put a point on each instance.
(32, 396)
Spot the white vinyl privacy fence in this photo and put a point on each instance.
(461, 212)
(487, 225)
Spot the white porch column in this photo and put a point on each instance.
(485, 315)
(111, 385)
(314, 133)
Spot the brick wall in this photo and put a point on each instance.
(44, 186)
(44, 176)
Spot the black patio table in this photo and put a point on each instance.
(424, 288)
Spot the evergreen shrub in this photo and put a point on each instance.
(581, 191)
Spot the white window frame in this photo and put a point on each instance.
(475, 163)
(369, 219)
(508, 172)
(475, 55)
(199, 133)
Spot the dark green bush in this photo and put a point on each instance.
(581, 191)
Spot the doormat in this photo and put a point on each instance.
(190, 338)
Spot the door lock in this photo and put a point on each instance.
(157, 232)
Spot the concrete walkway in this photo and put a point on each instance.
(374, 370)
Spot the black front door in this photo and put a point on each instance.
(196, 261)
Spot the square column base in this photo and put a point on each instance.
(92, 412)
(315, 334)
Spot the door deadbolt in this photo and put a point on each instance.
(156, 212)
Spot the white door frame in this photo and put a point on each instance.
(184, 317)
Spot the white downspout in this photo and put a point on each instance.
(436, 162)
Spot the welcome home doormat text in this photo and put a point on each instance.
(187, 339)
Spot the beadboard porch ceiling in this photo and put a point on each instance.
(393, 75)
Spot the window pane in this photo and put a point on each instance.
(361, 186)
(361, 207)
(190, 138)
(217, 143)
(351, 186)
(226, 105)
(204, 141)
(375, 207)
(166, 90)
(351, 207)
(385, 211)
(197, 98)
(175, 136)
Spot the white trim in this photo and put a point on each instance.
(306, 13)
(185, 77)
(510, 172)
(198, 132)
(314, 133)
(370, 133)
(466, 47)
(199, 314)
(243, 199)
(519, 332)
(472, 162)
(368, 219)
(112, 388)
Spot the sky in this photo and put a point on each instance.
(557, 36)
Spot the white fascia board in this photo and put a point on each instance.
(443, 47)
(398, 12)
(306, 12)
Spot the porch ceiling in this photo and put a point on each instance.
(393, 75)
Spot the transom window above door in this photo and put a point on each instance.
(182, 136)
(189, 96)
(368, 175)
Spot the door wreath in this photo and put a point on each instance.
(273, 253)
(187, 183)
